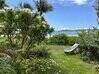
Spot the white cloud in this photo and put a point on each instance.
(78, 2)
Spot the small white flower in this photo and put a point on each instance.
(25, 10)
(2, 11)
(17, 9)
(39, 17)
(53, 61)
(49, 67)
(16, 16)
(59, 70)
(44, 22)
(44, 25)
(57, 73)
(7, 8)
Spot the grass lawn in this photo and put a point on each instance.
(71, 64)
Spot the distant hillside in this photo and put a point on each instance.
(68, 32)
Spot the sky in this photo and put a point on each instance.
(68, 14)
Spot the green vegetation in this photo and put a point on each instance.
(72, 40)
(89, 44)
(24, 31)
(5, 67)
(62, 39)
(58, 39)
(71, 64)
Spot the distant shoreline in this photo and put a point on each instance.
(69, 32)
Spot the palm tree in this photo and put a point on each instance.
(43, 6)
(2, 4)
(96, 6)
(25, 5)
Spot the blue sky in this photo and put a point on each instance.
(68, 14)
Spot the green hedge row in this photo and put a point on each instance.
(62, 39)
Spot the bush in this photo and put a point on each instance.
(60, 39)
(37, 66)
(41, 66)
(88, 44)
(6, 68)
(36, 63)
(19, 67)
(86, 56)
(72, 40)
(5, 49)
(38, 52)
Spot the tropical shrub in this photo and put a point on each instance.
(88, 41)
